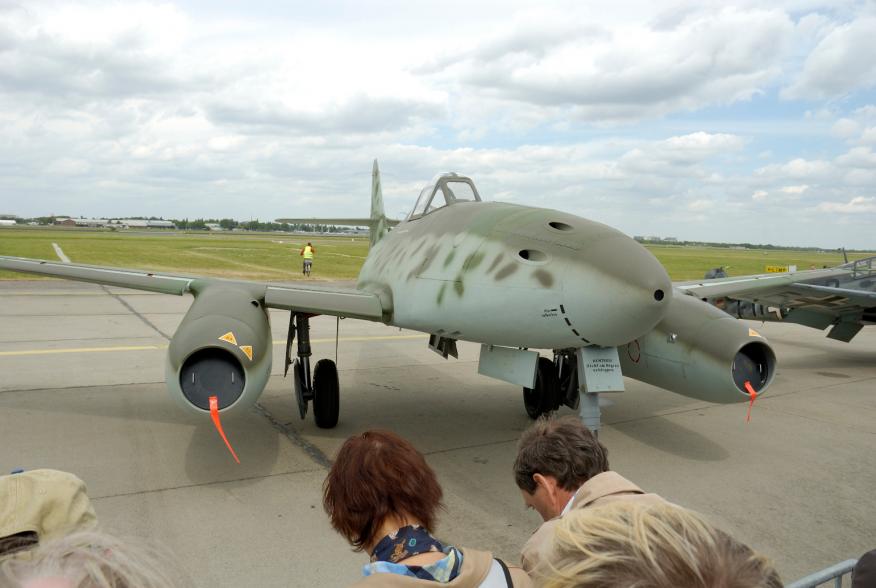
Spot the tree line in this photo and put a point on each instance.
(200, 224)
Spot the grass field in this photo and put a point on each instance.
(274, 256)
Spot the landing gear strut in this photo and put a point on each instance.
(322, 386)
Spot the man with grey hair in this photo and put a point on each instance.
(561, 466)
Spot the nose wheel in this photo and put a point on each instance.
(322, 387)
(556, 383)
(544, 397)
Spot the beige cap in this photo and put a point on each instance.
(50, 503)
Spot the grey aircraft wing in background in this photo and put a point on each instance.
(510, 277)
(842, 297)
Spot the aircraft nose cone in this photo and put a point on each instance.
(624, 291)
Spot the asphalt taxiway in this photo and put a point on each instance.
(81, 389)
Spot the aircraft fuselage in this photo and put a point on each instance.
(517, 276)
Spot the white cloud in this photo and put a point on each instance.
(68, 166)
(845, 128)
(760, 195)
(839, 64)
(700, 205)
(798, 169)
(795, 190)
(680, 155)
(862, 157)
(856, 205)
(633, 71)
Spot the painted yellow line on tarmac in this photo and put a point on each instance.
(81, 350)
(162, 347)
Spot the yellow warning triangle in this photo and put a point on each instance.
(753, 333)
(228, 338)
(247, 349)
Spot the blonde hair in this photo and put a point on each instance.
(635, 545)
(93, 560)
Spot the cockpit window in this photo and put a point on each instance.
(444, 190)
(461, 191)
(422, 201)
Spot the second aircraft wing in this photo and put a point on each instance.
(842, 297)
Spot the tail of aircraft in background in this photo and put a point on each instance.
(378, 224)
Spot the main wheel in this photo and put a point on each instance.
(326, 397)
(543, 398)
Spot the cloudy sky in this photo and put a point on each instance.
(699, 120)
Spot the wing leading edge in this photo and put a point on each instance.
(347, 302)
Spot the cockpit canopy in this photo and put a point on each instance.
(444, 190)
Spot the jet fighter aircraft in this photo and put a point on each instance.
(510, 277)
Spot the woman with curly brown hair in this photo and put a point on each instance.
(383, 497)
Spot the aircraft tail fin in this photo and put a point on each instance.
(378, 225)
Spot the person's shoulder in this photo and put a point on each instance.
(481, 568)
(532, 551)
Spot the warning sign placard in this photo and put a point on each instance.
(229, 338)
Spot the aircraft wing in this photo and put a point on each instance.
(346, 222)
(813, 298)
(347, 302)
(756, 286)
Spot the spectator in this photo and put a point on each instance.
(659, 545)
(41, 505)
(383, 497)
(91, 560)
(864, 574)
(561, 466)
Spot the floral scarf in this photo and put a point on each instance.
(410, 541)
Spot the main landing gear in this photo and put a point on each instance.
(322, 386)
(556, 383)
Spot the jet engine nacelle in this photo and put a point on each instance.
(701, 352)
(222, 348)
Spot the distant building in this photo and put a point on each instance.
(137, 223)
(670, 240)
(91, 222)
(81, 222)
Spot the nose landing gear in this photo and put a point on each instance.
(556, 383)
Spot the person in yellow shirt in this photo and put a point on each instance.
(307, 252)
